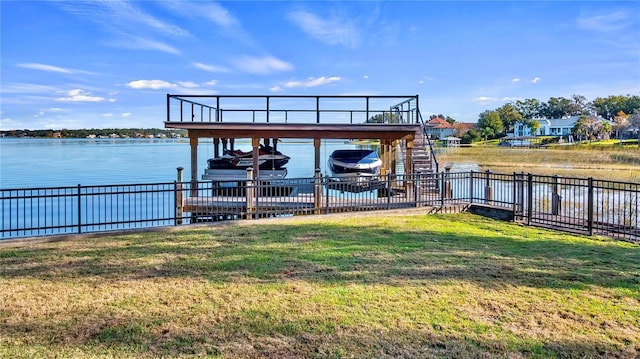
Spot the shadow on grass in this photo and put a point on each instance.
(484, 252)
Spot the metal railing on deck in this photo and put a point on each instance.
(580, 205)
(297, 109)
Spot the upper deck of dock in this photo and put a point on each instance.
(295, 116)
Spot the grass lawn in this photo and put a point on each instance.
(324, 287)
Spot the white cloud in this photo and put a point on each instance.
(365, 76)
(78, 95)
(188, 84)
(151, 84)
(484, 100)
(126, 114)
(514, 80)
(211, 83)
(603, 22)
(313, 82)
(140, 43)
(210, 68)
(262, 65)
(43, 67)
(107, 115)
(276, 89)
(535, 80)
(333, 31)
(121, 16)
(218, 15)
(21, 88)
(420, 82)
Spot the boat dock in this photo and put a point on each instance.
(394, 122)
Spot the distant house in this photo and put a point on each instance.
(57, 135)
(439, 128)
(548, 127)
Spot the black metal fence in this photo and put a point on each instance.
(580, 205)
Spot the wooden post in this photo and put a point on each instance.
(255, 142)
(408, 166)
(251, 199)
(383, 157)
(394, 156)
(193, 142)
(316, 145)
(216, 147)
(317, 192)
(179, 197)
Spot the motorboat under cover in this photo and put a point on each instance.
(268, 159)
(355, 162)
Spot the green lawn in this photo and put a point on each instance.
(324, 287)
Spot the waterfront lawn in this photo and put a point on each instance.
(333, 286)
(582, 161)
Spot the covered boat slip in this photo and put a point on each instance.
(393, 120)
(224, 118)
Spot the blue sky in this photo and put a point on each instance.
(103, 64)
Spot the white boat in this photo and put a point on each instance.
(358, 163)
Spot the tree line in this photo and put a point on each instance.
(620, 112)
(84, 133)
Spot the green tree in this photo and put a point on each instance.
(509, 115)
(490, 124)
(386, 117)
(609, 107)
(534, 125)
(558, 107)
(471, 136)
(530, 108)
(587, 127)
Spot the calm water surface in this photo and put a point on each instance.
(32, 162)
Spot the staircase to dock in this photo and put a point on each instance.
(422, 159)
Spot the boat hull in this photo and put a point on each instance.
(363, 164)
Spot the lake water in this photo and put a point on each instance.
(34, 162)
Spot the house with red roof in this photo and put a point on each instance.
(438, 128)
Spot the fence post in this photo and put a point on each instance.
(442, 188)
(471, 194)
(529, 198)
(488, 190)
(389, 191)
(79, 209)
(250, 192)
(448, 193)
(514, 194)
(417, 182)
(590, 207)
(317, 191)
(178, 197)
(556, 199)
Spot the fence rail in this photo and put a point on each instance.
(580, 205)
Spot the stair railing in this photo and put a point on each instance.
(425, 135)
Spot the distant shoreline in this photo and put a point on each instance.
(92, 133)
